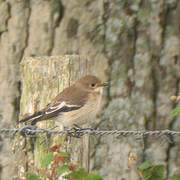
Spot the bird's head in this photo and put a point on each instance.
(91, 83)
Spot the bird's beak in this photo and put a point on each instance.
(105, 84)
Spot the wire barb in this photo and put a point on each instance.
(26, 130)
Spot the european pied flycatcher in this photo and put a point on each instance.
(77, 104)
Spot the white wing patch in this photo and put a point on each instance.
(60, 105)
(36, 117)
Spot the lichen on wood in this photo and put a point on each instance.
(42, 79)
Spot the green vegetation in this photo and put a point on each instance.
(55, 163)
(148, 171)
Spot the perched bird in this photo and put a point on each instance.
(75, 105)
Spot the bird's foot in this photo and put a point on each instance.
(77, 131)
(76, 127)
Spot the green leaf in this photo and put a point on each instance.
(80, 174)
(33, 177)
(67, 155)
(147, 173)
(175, 111)
(175, 177)
(157, 172)
(153, 173)
(93, 176)
(64, 154)
(145, 165)
(62, 169)
(46, 160)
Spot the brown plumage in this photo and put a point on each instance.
(76, 104)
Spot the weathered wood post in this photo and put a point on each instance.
(42, 79)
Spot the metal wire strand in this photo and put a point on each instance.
(77, 132)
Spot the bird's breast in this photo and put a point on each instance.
(86, 115)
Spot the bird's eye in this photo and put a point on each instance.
(93, 85)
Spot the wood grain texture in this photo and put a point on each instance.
(42, 79)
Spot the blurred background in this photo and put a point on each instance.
(134, 44)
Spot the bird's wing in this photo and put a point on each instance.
(60, 107)
(68, 100)
(54, 110)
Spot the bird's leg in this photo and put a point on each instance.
(75, 131)
(76, 127)
(80, 131)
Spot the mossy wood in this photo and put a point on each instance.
(42, 79)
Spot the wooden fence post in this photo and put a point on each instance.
(42, 79)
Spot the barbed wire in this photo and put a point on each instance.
(78, 132)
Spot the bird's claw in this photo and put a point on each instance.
(77, 131)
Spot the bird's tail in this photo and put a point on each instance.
(33, 118)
